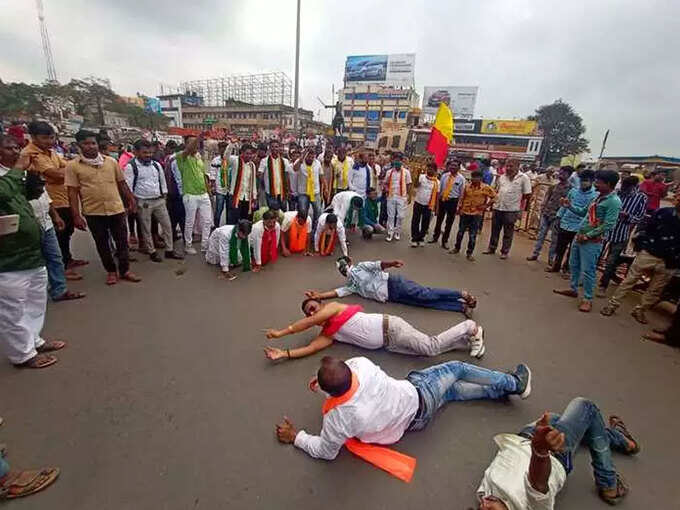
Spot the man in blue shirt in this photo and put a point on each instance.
(451, 187)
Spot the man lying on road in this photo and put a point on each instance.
(531, 468)
(349, 324)
(369, 280)
(367, 404)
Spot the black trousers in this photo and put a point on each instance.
(240, 212)
(673, 333)
(105, 228)
(564, 239)
(420, 222)
(446, 209)
(176, 213)
(503, 220)
(383, 210)
(134, 226)
(472, 224)
(64, 236)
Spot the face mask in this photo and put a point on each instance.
(397, 164)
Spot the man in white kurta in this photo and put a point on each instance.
(266, 225)
(324, 225)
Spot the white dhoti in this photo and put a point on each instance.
(23, 301)
(218, 247)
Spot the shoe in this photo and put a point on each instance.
(565, 276)
(421, 244)
(397, 236)
(445, 246)
(601, 292)
(477, 347)
(503, 256)
(388, 238)
(190, 251)
(489, 252)
(532, 258)
(173, 255)
(586, 306)
(608, 310)
(432, 241)
(156, 257)
(566, 292)
(470, 258)
(550, 269)
(455, 251)
(523, 376)
(639, 315)
(414, 244)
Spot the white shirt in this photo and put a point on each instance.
(424, 190)
(341, 204)
(379, 412)
(264, 171)
(150, 180)
(291, 216)
(214, 175)
(507, 477)
(357, 179)
(339, 170)
(41, 209)
(302, 177)
(362, 329)
(395, 181)
(510, 192)
(342, 239)
(255, 239)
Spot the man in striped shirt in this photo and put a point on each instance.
(633, 207)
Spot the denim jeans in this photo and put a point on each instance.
(547, 224)
(582, 423)
(472, 223)
(4, 466)
(407, 292)
(53, 261)
(305, 202)
(456, 381)
(583, 261)
(221, 203)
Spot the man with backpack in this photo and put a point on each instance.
(146, 179)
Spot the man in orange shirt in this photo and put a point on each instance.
(473, 202)
(38, 156)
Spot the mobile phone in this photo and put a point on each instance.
(9, 224)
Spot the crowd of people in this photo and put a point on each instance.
(252, 203)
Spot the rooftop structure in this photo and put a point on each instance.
(258, 89)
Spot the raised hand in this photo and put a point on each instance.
(546, 438)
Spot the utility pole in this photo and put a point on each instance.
(47, 48)
(297, 71)
(604, 143)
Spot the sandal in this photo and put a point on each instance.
(111, 279)
(69, 295)
(77, 263)
(617, 424)
(51, 345)
(38, 361)
(469, 299)
(72, 276)
(131, 277)
(23, 483)
(608, 311)
(621, 492)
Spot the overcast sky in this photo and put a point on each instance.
(615, 61)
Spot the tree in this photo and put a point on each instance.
(563, 130)
(20, 100)
(91, 96)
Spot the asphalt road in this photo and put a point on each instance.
(164, 400)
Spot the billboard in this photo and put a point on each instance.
(461, 100)
(152, 104)
(396, 69)
(509, 127)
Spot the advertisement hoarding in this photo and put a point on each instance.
(461, 100)
(509, 127)
(395, 69)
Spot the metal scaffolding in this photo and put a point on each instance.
(268, 88)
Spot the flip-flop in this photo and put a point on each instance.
(111, 279)
(24, 483)
(39, 361)
(130, 277)
(72, 276)
(78, 263)
(51, 345)
(617, 424)
(70, 295)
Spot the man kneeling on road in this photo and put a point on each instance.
(369, 280)
(531, 468)
(367, 404)
(349, 324)
(228, 247)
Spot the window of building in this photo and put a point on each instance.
(358, 113)
(382, 142)
(387, 114)
(402, 115)
(396, 140)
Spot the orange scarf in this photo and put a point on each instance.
(402, 183)
(282, 177)
(326, 247)
(239, 185)
(297, 236)
(433, 196)
(395, 463)
(449, 187)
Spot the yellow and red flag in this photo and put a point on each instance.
(441, 134)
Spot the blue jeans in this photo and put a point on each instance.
(305, 202)
(4, 466)
(221, 203)
(407, 292)
(582, 423)
(49, 245)
(547, 224)
(583, 260)
(456, 381)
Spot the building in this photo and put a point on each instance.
(172, 105)
(370, 109)
(260, 89)
(115, 120)
(246, 119)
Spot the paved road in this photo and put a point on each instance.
(164, 400)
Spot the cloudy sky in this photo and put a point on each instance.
(615, 61)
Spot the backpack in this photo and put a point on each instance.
(135, 171)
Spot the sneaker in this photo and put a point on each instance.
(414, 244)
(455, 251)
(489, 252)
(503, 256)
(388, 238)
(397, 236)
(421, 244)
(523, 376)
(470, 258)
(477, 347)
(445, 246)
(173, 255)
(639, 315)
(190, 251)
(156, 257)
(432, 241)
(566, 292)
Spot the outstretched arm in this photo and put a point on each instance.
(386, 264)
(308, 322)
(322, 295)
(317, 344)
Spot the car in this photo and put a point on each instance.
(440, 96)
(375, 70)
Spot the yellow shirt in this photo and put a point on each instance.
(37, 160)
(98, 186)
(473, 198)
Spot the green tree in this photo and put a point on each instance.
(90, 97)
(563, 130)
(20, 100)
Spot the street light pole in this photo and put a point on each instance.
(297, 71)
